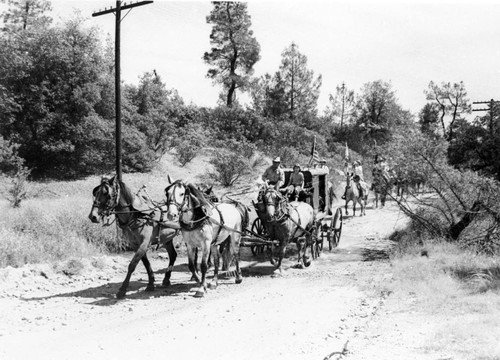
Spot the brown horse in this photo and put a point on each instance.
(353, 194)
(205, 226)
(286, 221)
(142, 225)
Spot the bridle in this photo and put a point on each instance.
(279, 213)
(106, 209)
(182, 206)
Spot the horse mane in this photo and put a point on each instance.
(126, 197)
(197, 193)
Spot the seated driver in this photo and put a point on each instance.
(274, 174)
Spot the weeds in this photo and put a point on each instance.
(43, 231)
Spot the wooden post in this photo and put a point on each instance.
(118, 98)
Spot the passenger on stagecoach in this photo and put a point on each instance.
(295, 183)
(274, 174)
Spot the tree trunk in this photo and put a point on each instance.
(457, 228)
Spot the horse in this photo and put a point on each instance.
(286, 221)
(205, 226)
(353, 194)
(142, 225)
(382, 185)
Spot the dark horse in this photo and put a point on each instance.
(205, 226)
(382, 185)
(141, 223)
(286, 221)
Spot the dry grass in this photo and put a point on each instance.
(459, 291)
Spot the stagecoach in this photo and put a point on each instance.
(319, 193)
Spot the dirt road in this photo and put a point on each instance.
(69, 312)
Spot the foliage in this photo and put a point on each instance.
(476, 146)
(9, 158)
(378, 116)
(26, 15)
(52, 79)
(452, 102)
(301, 89)
(234, 48)
(342, 105)
(19, 187)
(268, 96)
(190, 142)
(229, 167)
(159, 112)
(464, 206)
(428, 119)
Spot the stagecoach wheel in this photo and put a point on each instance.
(258, 228)
(335, 230)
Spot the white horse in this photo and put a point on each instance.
(205, 226)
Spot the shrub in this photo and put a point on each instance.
(187, 152)
(229, 167)
(19, 187)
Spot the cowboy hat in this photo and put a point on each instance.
(296, 166)
(277, 159)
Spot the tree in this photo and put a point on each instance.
(342, 104)
(54, 80)
(159, 111)
(428, 119)
(301, 89)
(23, 15)
(268, 95)
(452, 101)
(378, 114)
(234, 48)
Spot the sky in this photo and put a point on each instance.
(407, 43)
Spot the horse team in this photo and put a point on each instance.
(206, 226)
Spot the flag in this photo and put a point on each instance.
(314, 153)
(346, 155)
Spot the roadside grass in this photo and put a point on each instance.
(45, 231)
(455, 288)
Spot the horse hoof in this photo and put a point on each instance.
(277, 273)
(150, 288)
(212, 286)
(166, 283)
(238, 280)
(307, 263)
(199, 294)
(120, 294)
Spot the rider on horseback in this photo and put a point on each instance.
(357, 176)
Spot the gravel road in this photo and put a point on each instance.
(314, 313)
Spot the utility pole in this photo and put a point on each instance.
(490, 109)
(118, 112)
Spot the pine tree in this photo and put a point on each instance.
(234, 48)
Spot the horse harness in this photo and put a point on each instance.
(195, 224)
